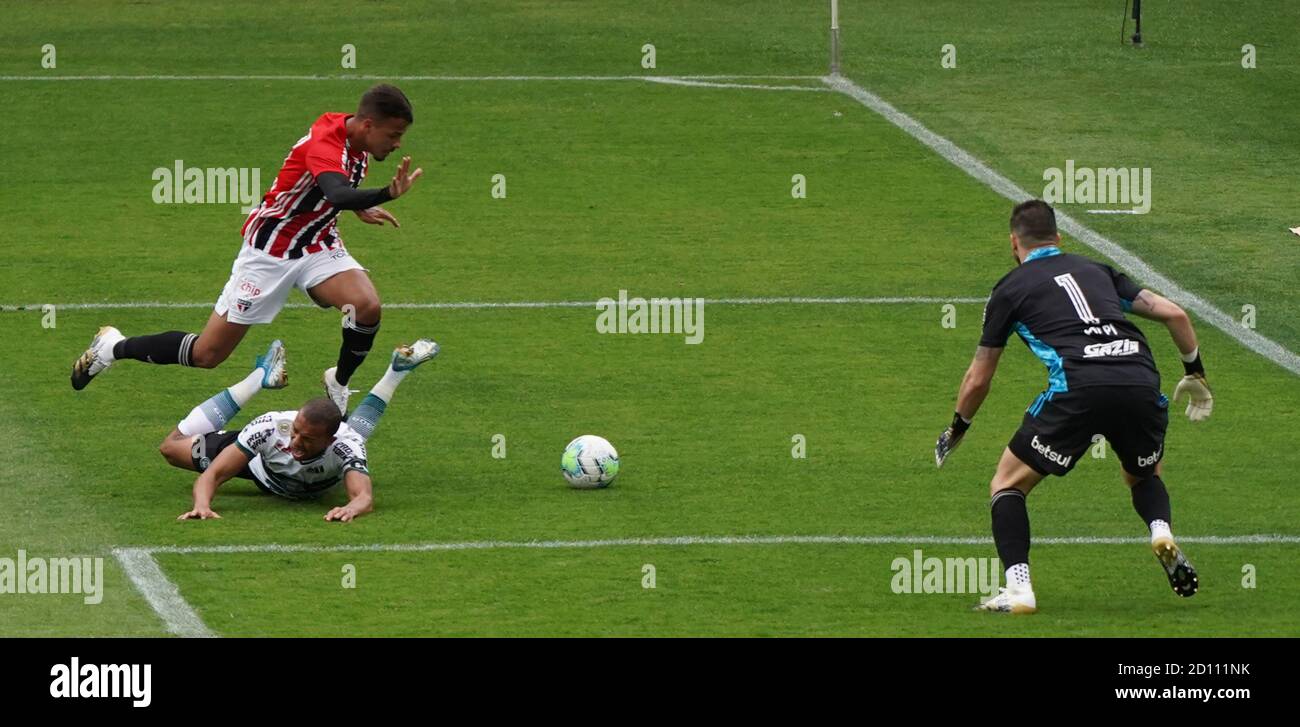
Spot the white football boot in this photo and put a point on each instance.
(97, 358)
(272, 364)
(1012, 599)
(1182, 576)
(338, 393)
(407, 357)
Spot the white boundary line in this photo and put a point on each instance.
(682, 540)
(1132, 263)
(474, 305)
(181, 620)
(161, 593)
(448, 78)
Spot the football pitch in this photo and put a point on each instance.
(775, 471)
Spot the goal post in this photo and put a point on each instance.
(835, 37)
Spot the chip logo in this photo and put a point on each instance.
(247, 286)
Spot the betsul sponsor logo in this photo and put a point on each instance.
(1048, 454)
(36, 575)
(75, 680)
(1151, 460)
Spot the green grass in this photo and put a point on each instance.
(661, 191)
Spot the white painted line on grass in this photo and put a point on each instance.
(668, 80)
(161, 593)
(473, 305)
(1114, 212)
(449, 78)
(682, 540)
(1132, 263)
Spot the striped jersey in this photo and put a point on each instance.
(294, 218)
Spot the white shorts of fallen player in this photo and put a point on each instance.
(259, 283)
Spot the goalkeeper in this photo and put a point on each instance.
(1102, 379)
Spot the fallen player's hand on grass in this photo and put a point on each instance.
(200, 513)
(1200, 400)
(341, 514)
(377, 216)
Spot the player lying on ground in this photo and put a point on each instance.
(294, 454)
(1102, 379)
(291, 240)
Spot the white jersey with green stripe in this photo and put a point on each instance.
(266, 442)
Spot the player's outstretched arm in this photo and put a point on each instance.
(227, 464)
(975, 386)
(1156, 307)
(361, 498)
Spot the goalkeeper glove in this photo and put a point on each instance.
(1200, 398)
(950, 439)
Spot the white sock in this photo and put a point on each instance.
(246, 389)
(1018, 575)
(388, 385)
(213, 414)
(1160, 528)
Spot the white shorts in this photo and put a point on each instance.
(259, 284)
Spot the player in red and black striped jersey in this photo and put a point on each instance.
(1102, 379)
(291, 240)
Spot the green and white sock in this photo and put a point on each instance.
(213, 414)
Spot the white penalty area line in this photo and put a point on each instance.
(490, 305)
(161, 594)
(180, 619)
(740, 81)
(1133, 264)
(686, 540)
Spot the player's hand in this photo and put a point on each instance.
(200, 513)
(948, 441)
(402, 181)
(377, 216)
(341, 514)
(1200, 400)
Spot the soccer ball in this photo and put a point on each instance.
(589, 462)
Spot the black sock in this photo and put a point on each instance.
(1151, 500)
(357, 340)
(1010, 526)
(161, 348)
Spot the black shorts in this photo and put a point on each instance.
(205, 448)
(1059, 426)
